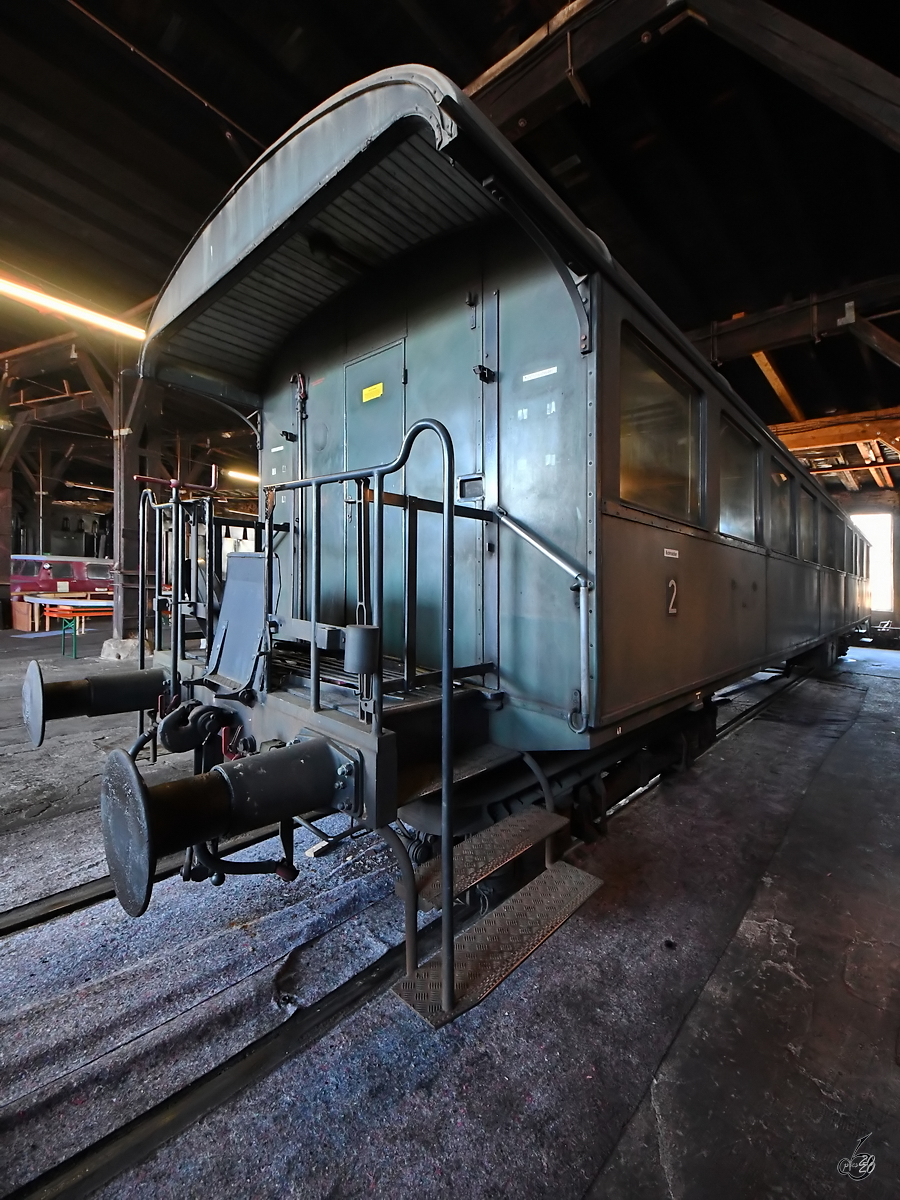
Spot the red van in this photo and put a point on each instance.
(31, 574)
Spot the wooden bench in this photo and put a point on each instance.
(73, 620)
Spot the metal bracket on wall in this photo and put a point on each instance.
(571, 280)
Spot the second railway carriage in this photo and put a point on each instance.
(514, 530)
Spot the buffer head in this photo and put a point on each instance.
(127, 835)
(33, 703)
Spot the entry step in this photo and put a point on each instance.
(494, 946)
(424, 779)
(487, 851)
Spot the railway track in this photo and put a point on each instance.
(95, 891)
(747, 714)
(100, 1163)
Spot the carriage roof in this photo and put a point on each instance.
(385, 165)
(395, 160)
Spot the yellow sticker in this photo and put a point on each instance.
(371, 393)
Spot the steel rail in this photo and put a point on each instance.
(726, 730)
(102, 1162)
(95, 891)
(755, 709)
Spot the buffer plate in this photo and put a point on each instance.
(127, 839)
(498, 943)
(33, 703)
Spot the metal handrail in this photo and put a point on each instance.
(579, 717)
(377, 475)
(177, 506)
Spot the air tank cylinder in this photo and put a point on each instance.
(96, 696)
(362, 644)
(141, 824)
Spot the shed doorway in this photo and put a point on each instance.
(878, 528)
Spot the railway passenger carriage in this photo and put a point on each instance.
(515, 530)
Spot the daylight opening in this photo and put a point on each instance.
(878, 528)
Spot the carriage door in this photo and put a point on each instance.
(374, 404)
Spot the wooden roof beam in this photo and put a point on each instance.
(848, 83)
(30, 477)
(92, 378)
(846, 429)
(847, 475)
(537, 78)
(779, 387)
(540, 77)
(880, 341)
(14, 441)
(56, 353)
(801, 321)
(878, 476)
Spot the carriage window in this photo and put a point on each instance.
(807, 526)
(780, 523)
(737, 506)
(659, 435)
(60, 570)
(98, 571)
(829, 538)
(25, 568)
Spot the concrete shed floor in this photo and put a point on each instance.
(720, 1019)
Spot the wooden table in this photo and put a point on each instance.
(77, 602)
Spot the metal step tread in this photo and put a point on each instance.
(493, 947)
(425, 778)
(487, 851)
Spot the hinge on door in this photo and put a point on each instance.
(299, 382)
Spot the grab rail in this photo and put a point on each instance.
(584, 587)
(377, 475)
(183, 594)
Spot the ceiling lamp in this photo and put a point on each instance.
(47, 303)
(243, 475)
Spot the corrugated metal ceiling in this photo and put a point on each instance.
(411, 196)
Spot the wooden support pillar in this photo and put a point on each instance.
(6, 523)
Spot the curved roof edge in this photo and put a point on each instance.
(322, 145)
(312, 153)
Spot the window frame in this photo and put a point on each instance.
(816, 550)
(793, 510)
(686, 379)
(726, 417)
